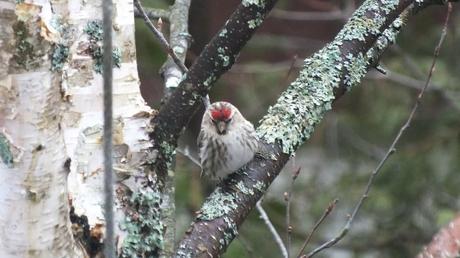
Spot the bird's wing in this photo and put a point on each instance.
(199, 142)
(200, 145)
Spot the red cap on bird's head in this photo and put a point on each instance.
(220, 112)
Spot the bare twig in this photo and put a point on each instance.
(163, 42)
(326, 213)
(153, 14)
(392, 147)
(276, 236)
(287, 199)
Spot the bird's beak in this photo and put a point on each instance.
(221, 127)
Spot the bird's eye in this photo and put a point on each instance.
(228, 120)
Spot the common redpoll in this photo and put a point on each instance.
(227, 141)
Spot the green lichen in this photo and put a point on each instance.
(247, 3)
(143, 225)
(217, 205)
(260, 186)
(223, 33)
(94, 30)
(388, 37)
(254, 23)
(209, 80)
(356, 69)
(302, 106)
(59, 57)
(305, 101)
(244, 189)
(223, 57)
(367, 19)
(60, 51)
(168, 151)
(5, 152)
(230, 233)
(24, 54)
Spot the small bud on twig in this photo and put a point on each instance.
(160, 24)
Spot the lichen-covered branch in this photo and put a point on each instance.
(326, 75)
(179, 40)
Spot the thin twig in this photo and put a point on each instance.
(163, 42)
(153, 14)
(326, 213)
(287, 199)
(107, 73)
(276, 236)
(392, 148)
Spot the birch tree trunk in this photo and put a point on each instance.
(33, 196)
(51, 125)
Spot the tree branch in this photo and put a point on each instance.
(272, 229)
(326, 213)
(152, 14)
(179, 39)
(288, 200)
(172, 73)
(163, 42)
(326, 76)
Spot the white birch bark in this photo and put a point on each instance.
(33, 197)
(49, 116)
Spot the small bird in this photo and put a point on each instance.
(227, 141)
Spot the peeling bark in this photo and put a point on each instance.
(33, 189)
(51, 125)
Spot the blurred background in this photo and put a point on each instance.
(418, 188)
